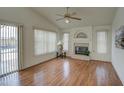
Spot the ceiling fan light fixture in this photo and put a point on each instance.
(67, 20)
(67, 16)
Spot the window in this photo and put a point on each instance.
(9, 48)
(45, 41)
(65, 41)
(102, 42)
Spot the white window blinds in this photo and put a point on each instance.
(102, 42)
(65, 41)
(45, 41)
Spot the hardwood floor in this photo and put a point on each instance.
(65, 72)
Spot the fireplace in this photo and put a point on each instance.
(82, 49)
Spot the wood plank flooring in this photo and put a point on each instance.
(65, 72)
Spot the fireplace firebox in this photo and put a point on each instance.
(82, 50)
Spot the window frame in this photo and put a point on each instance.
(20, 29)
(106, 41)
(68, 40)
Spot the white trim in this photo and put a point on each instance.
(20, 45)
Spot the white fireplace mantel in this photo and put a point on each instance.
(80, 41)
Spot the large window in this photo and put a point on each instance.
(102, 42)
(65, 41)
(9, 48)
(45, 42)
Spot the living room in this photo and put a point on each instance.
(32, 37)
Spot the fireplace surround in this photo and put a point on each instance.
(81, 37)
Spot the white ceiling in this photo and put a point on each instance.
(90, 16)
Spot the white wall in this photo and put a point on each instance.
(118, 54)
(28, 18)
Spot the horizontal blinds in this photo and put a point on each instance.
(102, 42)
(65, 41)
(45, 42)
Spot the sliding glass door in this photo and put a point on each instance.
(8, 49)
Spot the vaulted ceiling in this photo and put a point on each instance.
(90, 16)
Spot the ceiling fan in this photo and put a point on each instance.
(67, 16)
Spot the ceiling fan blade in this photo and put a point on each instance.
(59, 19)
(74, 13)
(59, 15)
(74, 18)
